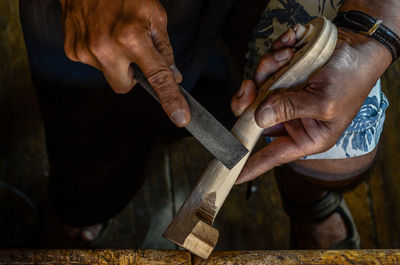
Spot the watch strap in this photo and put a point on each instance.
(367, 25)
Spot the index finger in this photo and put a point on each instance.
(280, 151)
(305, 137)
(286, 40)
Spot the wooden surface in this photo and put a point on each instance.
(122, 257)
(302, 257)
(192, 228)
(257, 222)
(160, 257)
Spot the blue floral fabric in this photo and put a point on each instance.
(362, 135)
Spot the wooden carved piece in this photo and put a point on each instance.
(192, 226)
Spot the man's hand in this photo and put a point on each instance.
(311, 120)
(110, 35)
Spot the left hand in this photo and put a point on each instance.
(311, 120)
(111, 35)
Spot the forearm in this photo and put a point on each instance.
(387, 10)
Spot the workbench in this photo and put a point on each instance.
(159, 257)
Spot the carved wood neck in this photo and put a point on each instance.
(191, 227)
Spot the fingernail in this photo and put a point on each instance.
(268, 117)
(299, 30)
(282, 55)
(179, 117)
(177, 74)
(286, 37)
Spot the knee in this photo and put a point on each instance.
(332, 173)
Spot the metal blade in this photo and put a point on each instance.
(205, 128)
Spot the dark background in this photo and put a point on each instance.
(255, 223)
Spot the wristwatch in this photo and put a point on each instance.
(372, 27)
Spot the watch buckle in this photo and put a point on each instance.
(372, 30)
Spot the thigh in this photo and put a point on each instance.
(335, 172)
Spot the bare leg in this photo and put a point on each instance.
(88, 233)
(307, 181)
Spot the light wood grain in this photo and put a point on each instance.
(173, 257)
(309, 257)
(205, 201)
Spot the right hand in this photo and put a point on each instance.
(110, 35)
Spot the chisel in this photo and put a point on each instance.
(205, 128)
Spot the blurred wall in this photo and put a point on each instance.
(22, 153)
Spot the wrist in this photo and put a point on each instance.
(371, 53)
(387, 10)
(372, 27)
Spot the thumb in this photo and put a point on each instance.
(285, 106)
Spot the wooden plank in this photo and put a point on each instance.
(205, 201)
(159, 257)
(174, 257)
(67, 257)
(359, 203)
(385, 180)
(302, 257)
(122, 257)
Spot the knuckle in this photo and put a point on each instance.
(99, 46)
(168, 100)
(70, 53)
(166, 50)
(328, 79)
(127, 35)
(276, 161)
(328, 109)
(286, 109)
(102, 50)
(265, 60)
(160, 79)
(83, 56)
(322, 144)
(311, 147)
